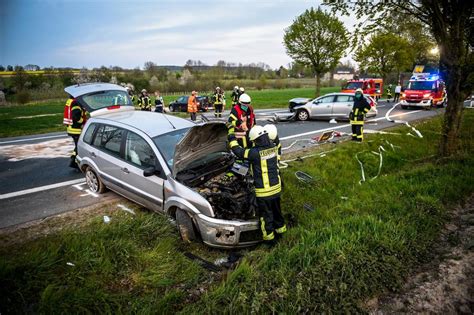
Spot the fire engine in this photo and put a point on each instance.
(424, 90)
(372, 87)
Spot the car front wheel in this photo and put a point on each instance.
(93, 181)
(185, 226)
(303, 115)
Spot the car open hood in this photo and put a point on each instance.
(198, 142)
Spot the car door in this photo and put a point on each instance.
(322, 106)
(139, 156)
(342, 106)
(108, 140)
(183, 103)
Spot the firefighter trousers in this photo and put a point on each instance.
(357, 132)
(271, 219)
(218, 110)
(73, 163)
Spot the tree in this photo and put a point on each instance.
(318, 40)
(450, 24)
(384, 54)
(2, 68)
(9, 68)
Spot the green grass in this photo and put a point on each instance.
(331, 260)
(10, 125)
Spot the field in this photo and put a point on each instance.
(46, 116)
(356, 241)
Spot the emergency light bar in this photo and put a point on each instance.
(425, 77)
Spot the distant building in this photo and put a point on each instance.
(343, 73)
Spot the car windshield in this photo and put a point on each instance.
(353, 85)
(167, 142)
(421, 85)
(105, 99)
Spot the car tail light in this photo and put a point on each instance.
(113, 107)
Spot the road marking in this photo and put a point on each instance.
(33, 139)
(42, 188)
(90, 193)
(342, 126)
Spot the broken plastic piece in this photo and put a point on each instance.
(70, 264)
(333, 121)
(106, 219)
(308, 207)
(303, 177)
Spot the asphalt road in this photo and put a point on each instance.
(36, 181)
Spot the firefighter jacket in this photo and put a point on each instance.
(218, 99)
(239, 123)
(78, 115)
(359, 109)
(264, 166)
(192, 104)
(235, 97)
(144, 102)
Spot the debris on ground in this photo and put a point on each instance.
(125, 208)
(202, 262)
(333, 121)
(106, 219)
(308, 207)
(304, 177)
(229, 261)
(70, 264)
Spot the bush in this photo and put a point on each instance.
(23, 97)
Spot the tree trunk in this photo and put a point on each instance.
(453, 116)
(318, 84)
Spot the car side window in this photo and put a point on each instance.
(138, 151)
(182, 99)
(326, 99)
(89, 133)
(343, 98)
(109, 138)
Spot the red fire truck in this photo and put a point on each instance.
(424, 90)
(372, 87)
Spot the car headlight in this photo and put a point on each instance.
(427, 95)
(404, 95)
(378, 91)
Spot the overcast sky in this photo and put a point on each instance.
(91, 33)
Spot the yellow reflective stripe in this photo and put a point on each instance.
(234, 143)
(264, 168)
(357, 122)
(266, 237)
(233, 117)
(281, 230)
(244, 142)
(74, 131)
(356, 112)
(246, 154)
(262, 192)
(366, 110)
(231, 131)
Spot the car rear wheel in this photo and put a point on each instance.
(404, 107)
(303, 115)
(93, 181)
(185, 226)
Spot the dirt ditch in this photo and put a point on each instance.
(445, 285)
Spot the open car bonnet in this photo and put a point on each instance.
(101, 98)
(200, 141)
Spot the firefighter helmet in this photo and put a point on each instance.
(271, 130)
(244, 99)
(241, 89)
(359, 90)
(236, 87)
(256, 132)
(144, 91)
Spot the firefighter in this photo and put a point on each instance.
(192, 105)
(272, 132)
(159, 103)
(218, 99)
(241, 120)
(78, 119)
(263, 159)
(235, 95)
(389, 93)
(144, 101)
(359, 110)
(133, 98)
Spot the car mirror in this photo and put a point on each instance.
(150, 171)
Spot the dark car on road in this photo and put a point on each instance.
(181, 104)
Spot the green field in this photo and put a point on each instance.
(360, 240)
(15, 120)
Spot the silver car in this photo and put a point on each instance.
(333, 105)
(173, 166)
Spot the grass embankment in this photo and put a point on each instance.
(24, 119)
(359, 241)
